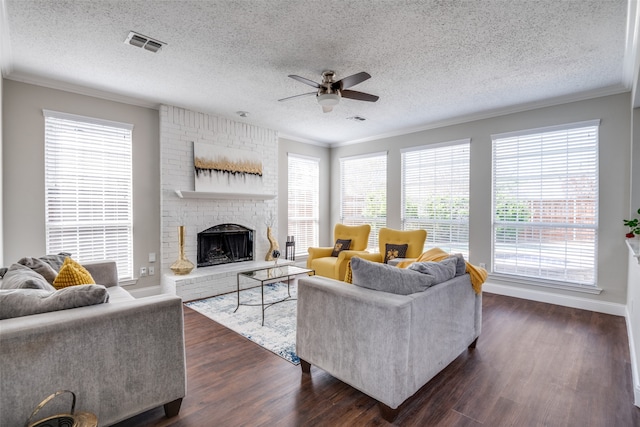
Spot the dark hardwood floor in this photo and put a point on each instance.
(535, 365)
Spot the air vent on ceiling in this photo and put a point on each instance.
(138, 40)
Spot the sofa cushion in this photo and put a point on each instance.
(438, 271)
(118, 294)
(461, 264)
(386, 278)
(72, 274)
(19, 276)
(341, 245)
(41, 267)
(392, 251)
(25, 302)
(55, 260)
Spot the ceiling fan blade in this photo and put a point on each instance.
(351, 80)
(360, 96)
(305, 81)
(298, 96)
(326, 109)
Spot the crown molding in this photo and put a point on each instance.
(111, 96)
(82, 90)
(303, 140)
(6, 57)
(630, 63)
(597, 93)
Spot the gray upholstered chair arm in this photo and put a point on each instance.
(103, 272)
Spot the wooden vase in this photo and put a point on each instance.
(182, 266)
(273, 245)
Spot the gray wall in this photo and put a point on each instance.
(615, 114)
(23, 175)
(23, 168)
(286, 146)
(1, 174)
(635, 160)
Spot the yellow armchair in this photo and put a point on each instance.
(324, 264)
(413, 238)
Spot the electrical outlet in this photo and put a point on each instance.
(483, 265)
(152, 270)
(143, 271)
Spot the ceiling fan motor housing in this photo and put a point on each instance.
(328, 84)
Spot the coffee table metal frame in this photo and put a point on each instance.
(267, 276)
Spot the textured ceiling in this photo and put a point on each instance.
(431, 61)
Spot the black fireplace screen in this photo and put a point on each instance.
(224, 244)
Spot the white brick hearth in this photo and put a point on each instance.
(209, 281)
(179, 129)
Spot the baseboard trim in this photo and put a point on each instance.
(558, 299)
(147, 291)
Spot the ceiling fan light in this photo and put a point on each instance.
(328, 99)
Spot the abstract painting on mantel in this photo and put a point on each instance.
(226, 170)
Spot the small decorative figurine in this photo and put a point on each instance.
(275, 254)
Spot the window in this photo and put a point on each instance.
(363, 193)
(304, 193)
(545, 203)
(435, 194)
(88, 189)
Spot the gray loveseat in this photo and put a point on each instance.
(120, 358)
(384, 344)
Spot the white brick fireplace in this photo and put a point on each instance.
(179, 129)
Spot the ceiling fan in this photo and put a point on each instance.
(329, 91)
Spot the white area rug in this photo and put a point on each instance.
(279, 331)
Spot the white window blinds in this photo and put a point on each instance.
(545, 203)
(363, 193)
(88, 189)
(304, 196)
(435, 194)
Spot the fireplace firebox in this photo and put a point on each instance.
(224, 244)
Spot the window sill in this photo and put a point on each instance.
(518, 280)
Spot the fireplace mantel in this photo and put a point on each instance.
(184, 194)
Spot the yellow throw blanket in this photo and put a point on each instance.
(478, 274)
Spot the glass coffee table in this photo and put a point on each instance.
(270, 275)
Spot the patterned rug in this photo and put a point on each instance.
(279, 331)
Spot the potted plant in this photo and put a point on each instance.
(634, 226)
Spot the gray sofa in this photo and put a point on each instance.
(120, 358)
(384, 344)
